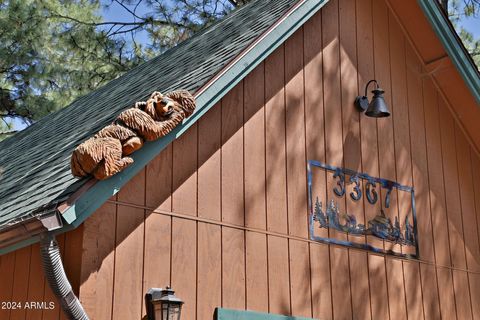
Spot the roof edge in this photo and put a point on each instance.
(206, 97)
(453, 47)
(32, 239)
(28, 231)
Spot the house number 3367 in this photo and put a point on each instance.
(356, 194)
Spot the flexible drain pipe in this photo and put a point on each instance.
(57, 279)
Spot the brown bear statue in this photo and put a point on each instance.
(107, 152)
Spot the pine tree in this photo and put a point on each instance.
(457, 10)
(53, 51)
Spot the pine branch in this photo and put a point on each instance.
(128, 10)
(144, 21)
(7, 133)
(27, 118)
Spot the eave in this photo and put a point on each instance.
(451, 42)
(445, 61)
(27, 231)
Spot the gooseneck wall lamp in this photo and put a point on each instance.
(377, 108)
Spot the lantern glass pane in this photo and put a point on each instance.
(165, 315)
(173, 312)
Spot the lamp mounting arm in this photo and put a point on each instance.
(368, 83)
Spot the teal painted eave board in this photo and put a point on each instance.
(454, 49)
(229, 314)
(98, 194)
(32, 240)
(19, 245)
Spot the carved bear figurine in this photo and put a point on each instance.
(106, 153)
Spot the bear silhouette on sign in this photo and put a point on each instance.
(107, 152)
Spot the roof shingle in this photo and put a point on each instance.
(36, 161)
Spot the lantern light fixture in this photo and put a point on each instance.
(377, 108)
(162, 304)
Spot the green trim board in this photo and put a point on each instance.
(93, 198)
(229, 314)
(455, 50)
(19, 245)
(32, 240)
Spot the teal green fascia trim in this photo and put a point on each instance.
(19, 245)
(93, 198)
(451, 45)
(32, 240)
(228, 314)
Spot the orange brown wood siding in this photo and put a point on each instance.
(22, 281)
(221, 214)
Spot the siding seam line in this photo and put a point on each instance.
(275, 234)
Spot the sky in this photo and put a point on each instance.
(113, 11)
(472, 25)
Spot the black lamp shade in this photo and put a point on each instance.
(377, 108)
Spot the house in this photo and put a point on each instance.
(220, 208)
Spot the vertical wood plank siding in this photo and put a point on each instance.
(221, 214)
(241, 171)
(24, 292)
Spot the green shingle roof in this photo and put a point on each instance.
(35, 162)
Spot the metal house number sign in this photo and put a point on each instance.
(357, 210)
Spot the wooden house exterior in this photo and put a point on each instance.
(222, 212)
